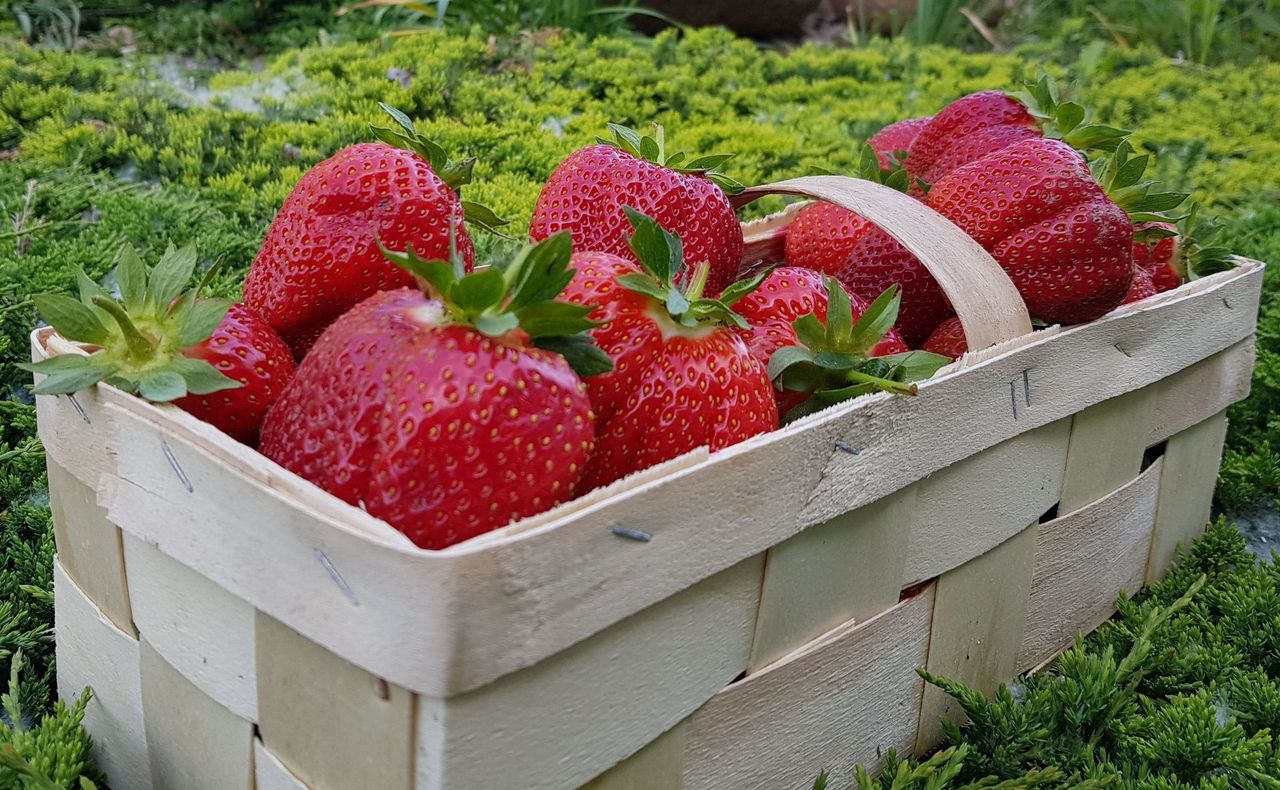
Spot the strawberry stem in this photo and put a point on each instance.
(858, 377)
(140, 349)
(697, 281)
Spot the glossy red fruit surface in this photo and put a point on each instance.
(587, 192)
(948, 339)
(968, 129)
(246, 349)
(896, 137)
(320, 257)
(441, 431)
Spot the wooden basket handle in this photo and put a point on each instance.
(985, 299)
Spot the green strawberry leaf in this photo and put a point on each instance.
(70, 318)
(540, 271)
(199, 320)
(496, 324)
(786, 357)
(478, 291)
(131, 276)
(201, 377)
(162, 386)
(546, 319)
(915, 365)
(580, 351)
(484, 217)
(88, 288)
(645, 284)
(438, 275)
(810, 331)
(70, 377)
(839, 333)
(737, 290)
(659, 252)
(876, 320)
(169, 277)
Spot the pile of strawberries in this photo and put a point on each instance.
(372, 356)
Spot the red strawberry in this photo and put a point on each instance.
(831, 361)
(683, 378)
(967, 129)
(442, 413)
(894, 138)
(320, 257)
(1037, 209)
(1141, 287)
(980, 124)
(588, 191)
(772, 309)
(948, 339)
(246, 349)
(822, 236)
(219, 361)
(1158, 257)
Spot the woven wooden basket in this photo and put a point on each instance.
(242, 628)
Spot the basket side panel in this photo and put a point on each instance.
(331, 723)
(847, 569)
(92, 652)
(194, 743)
(1202, 390)
(565, 720)
(201, 630)
(978, 623)
(89, 545)
(1187, 480)
(847, 698)
(658, 765)
(270, 773)
(1107, 443)
(1083, 560)
(973, 506)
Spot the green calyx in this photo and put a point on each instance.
(868, 168)
(141, 335)
(679, 289)
(1066, 120)
(833, 362)
(1120, 176)
(1200, 248)
(519, 296)
(455, 173)
(654, 149)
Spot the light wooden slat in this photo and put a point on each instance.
(270, 773)
(67, 425)
(973, 506)
(203, 631)
(1197, 393)
(1190, 472)
(1107, 444)
(194, 743)
(1083, 560)
(332, 724)
(847, 569)
(564, 720)
(978, 622)
(658, 766)
(424, 621)
(848, 698)
(89, 546)
(92, 652)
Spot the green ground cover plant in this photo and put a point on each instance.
(98, 151)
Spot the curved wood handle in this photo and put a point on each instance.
(983, 296)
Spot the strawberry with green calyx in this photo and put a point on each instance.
(219, 361)
(683, 378)
(320, 257)
(982, 123)
(1172, 253)
(588, 191)
(786, 294)
(452, 410)
(832, 363)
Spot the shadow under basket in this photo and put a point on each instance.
(241, 628)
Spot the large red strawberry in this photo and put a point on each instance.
(979, 124)
(452, 412)
(772, 309)
(894, 139)
(1036, 207)
(588, 191)
(1141, 287)
(219, 361)
(682, 378)
(832, 360)
(320, 257)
